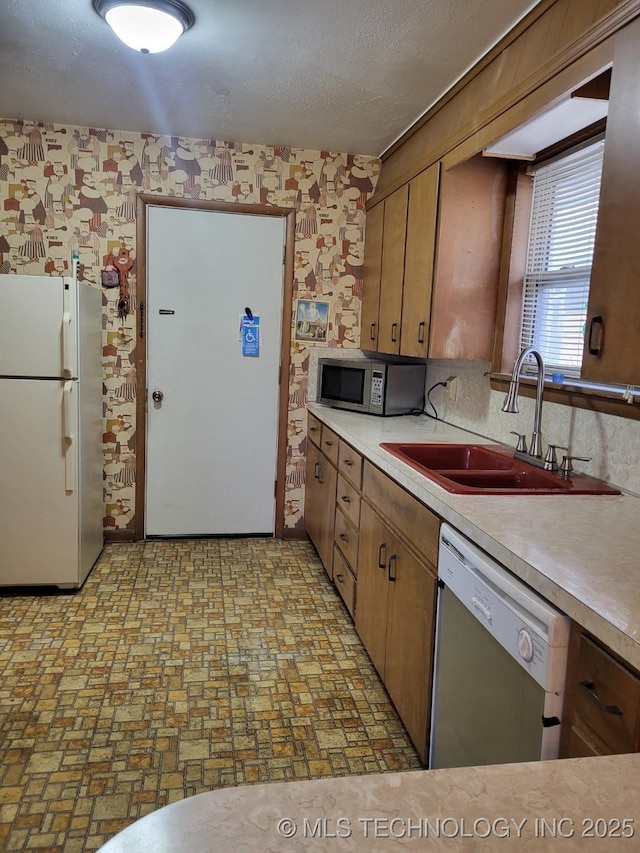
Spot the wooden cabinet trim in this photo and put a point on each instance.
(547, 73)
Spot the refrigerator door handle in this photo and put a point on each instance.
(69, 438)
(67, 343)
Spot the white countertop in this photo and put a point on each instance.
(580, 552)
(588, 803)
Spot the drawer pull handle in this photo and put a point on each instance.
(344, 537)
(393, 560)
(340, 578)
(348, 463)
(346, 499)
(596, 348)
(328, 443)
(589, 686)
(316, 471)
(382, 556)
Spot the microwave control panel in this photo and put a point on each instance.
(377, 387)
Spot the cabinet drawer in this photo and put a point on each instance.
(348, 499)
(346, 538)
(350, 464)
(607, 697)
(344, 581)
(579, 745)
(403, 511)
(314, 429)
(330, 444)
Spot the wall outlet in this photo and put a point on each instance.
(453, 387)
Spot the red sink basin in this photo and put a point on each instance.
(490, 469)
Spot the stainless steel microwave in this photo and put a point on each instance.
(374, 387)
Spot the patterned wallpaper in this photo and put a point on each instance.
(74, 188)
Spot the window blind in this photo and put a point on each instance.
(564, 213)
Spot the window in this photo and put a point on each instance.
(558, 266)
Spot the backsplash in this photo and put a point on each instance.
(612, 443)
(66, 188)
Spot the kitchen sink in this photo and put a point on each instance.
(458, 457)
(490, 469)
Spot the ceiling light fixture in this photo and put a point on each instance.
(149, 26)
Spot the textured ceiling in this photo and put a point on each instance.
(338, 75)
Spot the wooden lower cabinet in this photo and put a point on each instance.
(320, 502)
(602, 702)
(395, 620)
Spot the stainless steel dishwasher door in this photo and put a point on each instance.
(500, 664)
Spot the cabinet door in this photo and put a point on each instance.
(611, 352)
(465, 287)
(409, 647)
(418, 262)
(373, 586)
(319, 507)
(391, 283)
(372, 275)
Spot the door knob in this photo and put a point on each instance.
(157, 396)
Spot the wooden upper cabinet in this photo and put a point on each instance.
(400, 245)
(418, 262)
(470, 232)
(372, 274)
(612, 351)
(392, 278)
(439, 265)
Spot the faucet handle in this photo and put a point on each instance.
(551, 460)
(566, 469)
(521, 446)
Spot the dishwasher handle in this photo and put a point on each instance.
(482, 608)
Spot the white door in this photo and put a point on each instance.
(212, 437)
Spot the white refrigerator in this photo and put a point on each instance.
(51, 506)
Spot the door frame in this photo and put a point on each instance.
(144, 200)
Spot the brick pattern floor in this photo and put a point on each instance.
(180, 666)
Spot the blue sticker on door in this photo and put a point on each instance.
(250, 336)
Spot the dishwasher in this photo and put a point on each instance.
(500, 663)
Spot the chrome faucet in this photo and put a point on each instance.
(511, 404)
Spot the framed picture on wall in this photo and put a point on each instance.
(312, 321)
